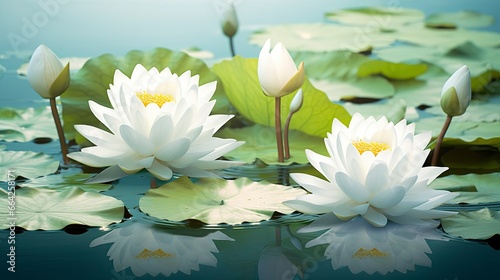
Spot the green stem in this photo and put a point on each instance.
(435, 155)
(279, 136)
(60, 131)
(231, 46)
(287, 128)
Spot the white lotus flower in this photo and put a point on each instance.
(374, 170)
(278, 75)
(456, 93)
(159, 121)
(46, 73)
(146, 249)
(361, 247)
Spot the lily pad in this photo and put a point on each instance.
(459, 19)
(25, 163)
(394, 109)
(472, 158)
(473, 188)
(396, 71)
(479, 111)
(260, 143)
(462, 132)
(92, 82)
(64, 180)
(481, 224)
(53, 209)
(384, 17)
(215, 201)
(26, 124)
(241, 83)
(320, 37)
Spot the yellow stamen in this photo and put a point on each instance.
(375, 253)
(158, 98)
(374, 147)
(147, 254)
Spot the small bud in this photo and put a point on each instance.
(297, 101)
(229, 20)
(456, 93)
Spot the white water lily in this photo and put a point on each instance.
(46, 73)
(374, 169)
(148, 249)
(456, 93)
(158, 121)
(361, 247)
(277, 72)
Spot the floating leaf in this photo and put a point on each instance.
(420, 92)
(320, 37)
(92, 82)
(481, 224)
(380, 17)
(27, 164)
(26, 124)
(241, 83)
(462, 132)
(479, 111)
(459, 19)
(53, 209)
(260, 143)
(473, 157)
(394, 109)
(214, 201)
(336, 73)
(64, 180)
(396, 71)
(473, 188)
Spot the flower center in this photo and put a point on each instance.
(374, 253)
(146, 254)
(157, 98)
(374, 147)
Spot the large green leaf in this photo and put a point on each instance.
(473, 188)
(260, 143)
(381, 17)
(459, 19)
(215, 201)
(25, 163)
(241, 83)
(481, 224)
(26, 124)
(320, 37)
(53, 209)
(92, 82)
(396, 71)
(64, 180)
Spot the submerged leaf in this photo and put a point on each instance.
(481, 224)
(92, 82)
(241, 83)
(25, 163)
(260, 143)
(26, 124)
(214, 201)
(53, 209)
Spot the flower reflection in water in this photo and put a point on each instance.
(150, 249)
(363, 247)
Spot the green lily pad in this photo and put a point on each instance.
(382, 17)
(459, 19)
(214, 201)
(260, 143)
(473, 188)
(53, 209)
(320, 37)
(481, 224)
(24, 125)
(483, 63)
(241, 83)
(462, 132)
(479, 111)
(420, 92)
(394, 109)
(25, 163)
(92, 82)
(65, 180)
(396, 71)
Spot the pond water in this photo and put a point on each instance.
(273, 249)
